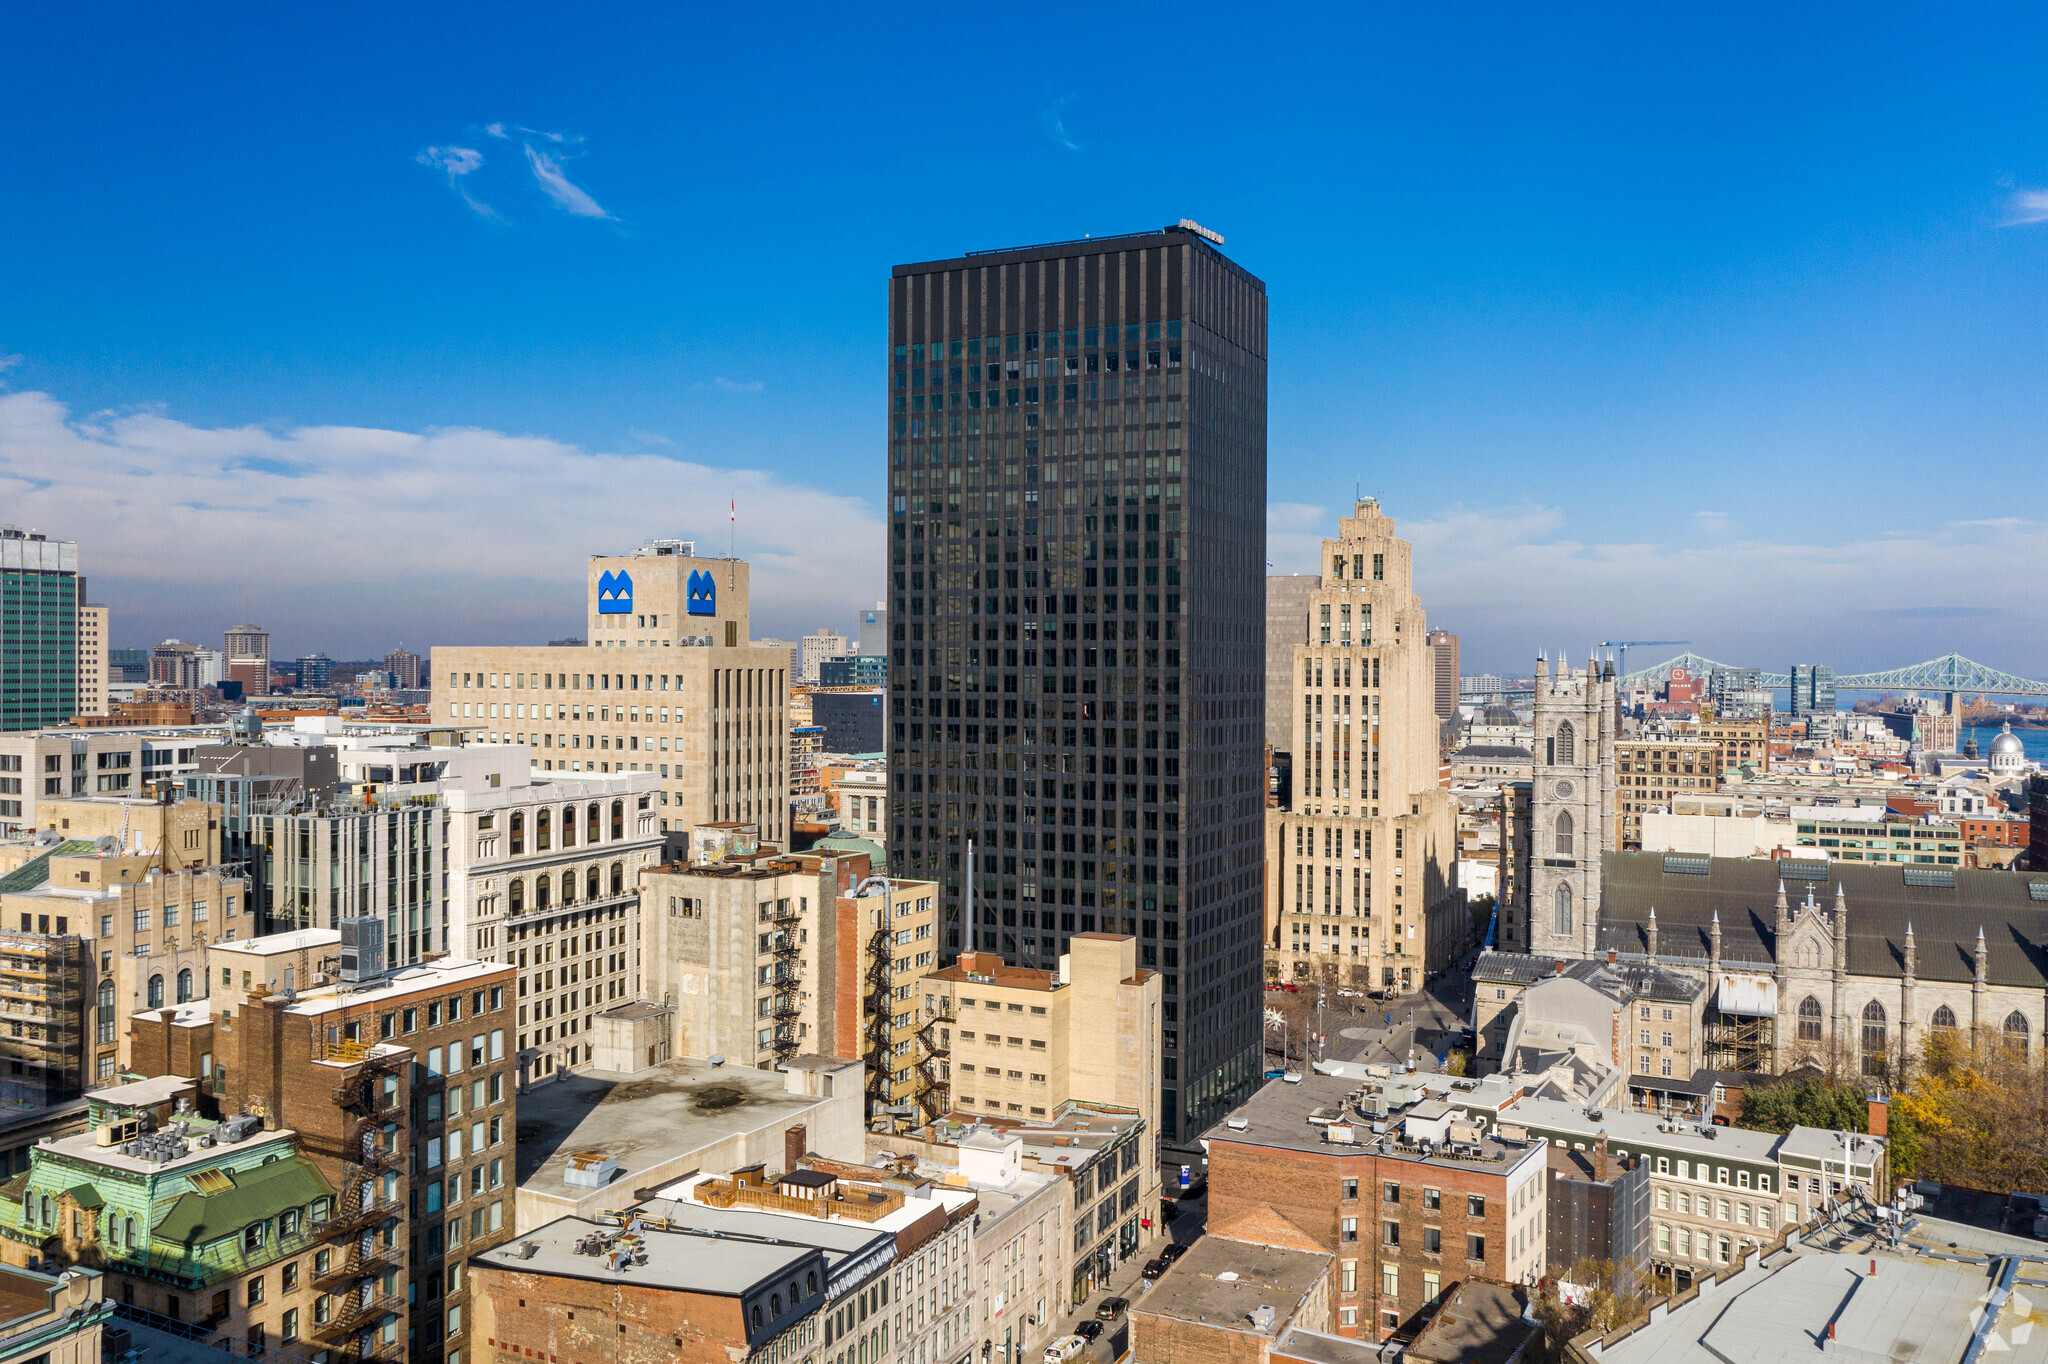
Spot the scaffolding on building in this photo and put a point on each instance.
(42, 1018)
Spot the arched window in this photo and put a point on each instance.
(811, 1283)
(2016, 1033)
(1944, 1017)
(568, 887)
(774, 1306)
(757, 1316)
(592, 822)
(568, 826)
(543, 823)
(618, 878)
(1809, 1019)
(515, 896)
(795, 1294)
(47, 1219)
(1564, 909)
(542, 892)
(1564, 833)
(593, 884)
(128, 1233)
(518, 832)
(1873, 1038)
(185, 985)
(618, 819)
(105, 1032)
(156, 992)
(1567, 745)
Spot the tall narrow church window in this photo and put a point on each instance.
(1944, 1017)
(1564, 833)
(1809, 1019)
(2016, 1033)
(1873, 1038)
(1565, 745)
(1564, 909)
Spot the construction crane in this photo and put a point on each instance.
(1622, 646)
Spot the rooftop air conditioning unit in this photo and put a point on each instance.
(362, 949)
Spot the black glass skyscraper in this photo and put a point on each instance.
(1077, 494)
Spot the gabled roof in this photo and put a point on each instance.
(195, 1219)
(1266, 1225)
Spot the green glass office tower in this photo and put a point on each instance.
(1077, 492)
(40, 592)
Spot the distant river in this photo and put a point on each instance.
(2035, 740)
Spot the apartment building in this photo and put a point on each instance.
(544, 875)
(401, 1090)
(668, 685)
(44, 764)
(94, 624)
(1650, 1019)
(1410, 1195)
(1025, 1044)
(1649, 772)
(1716, 1192)
(1739, 741)
(886, 938)
(1358, 882)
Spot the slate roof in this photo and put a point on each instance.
(1744, 891)
(1505, 752)
(1621, 980)
(195, 1219)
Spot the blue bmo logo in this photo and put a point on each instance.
(702, 590)
(614, 594)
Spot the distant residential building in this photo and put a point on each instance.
(1650, 771)
(854, 670)
(404, 667)
(127, 665)
(1444, 646)
(816, 648)
(174, 663)
(1813, 689)
(93, 672)
(114, 760)
(873, 636)
(248, 658)
(40, 595)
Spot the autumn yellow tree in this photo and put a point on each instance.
(1975, 1113)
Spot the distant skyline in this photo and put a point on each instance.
(1723, 325)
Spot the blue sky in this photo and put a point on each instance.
(1724, 326)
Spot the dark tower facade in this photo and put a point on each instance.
(1077, 492)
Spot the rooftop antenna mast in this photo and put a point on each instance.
(732, 552)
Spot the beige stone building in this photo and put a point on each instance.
(1025, 1044)
(1740, 741)
(185, 833)
(886, 939)
(667, 685)
(93, 627)
(1359, 884)
(1649, 772)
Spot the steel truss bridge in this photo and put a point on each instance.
(1951, 674)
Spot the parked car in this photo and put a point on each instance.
(1088, 1330)
(1064, 1349)
(1173, 1251)
(1154, 1268)
(1111, 1308)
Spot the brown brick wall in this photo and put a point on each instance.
(1167, 1340)
(535, 1317)
(1307, 1188)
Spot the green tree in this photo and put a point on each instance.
(1810, 1101)
(1608, 1295)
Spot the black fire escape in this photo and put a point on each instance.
(934, 1071)
(358, 1258)
(876, 1008)
(783, 945)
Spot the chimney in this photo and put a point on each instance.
(795, 1141)
(1611, 956)
(1880, 1115)
(1558, 967)
(1600, 1159)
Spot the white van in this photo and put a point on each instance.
(1064, 1349)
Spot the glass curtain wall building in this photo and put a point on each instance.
(1077, 491)
(40, 593)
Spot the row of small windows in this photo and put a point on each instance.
(1027, 343)
(543, 827)
(543, 887)
(1876, 1024)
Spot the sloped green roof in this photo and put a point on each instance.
(195, 1219)
(85, 1196)
(36, 870)
(852, 843)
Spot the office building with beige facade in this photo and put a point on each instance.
(668, 684)
(1359, 885)
(1651, 771)
(93, 644)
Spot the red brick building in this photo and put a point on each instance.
(1407, 1213)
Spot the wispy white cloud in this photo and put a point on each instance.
(505, 566)
(1056, 123)
(2026, 206)
(458, 164)
(569, 197)
(650, 437)
(1712, 522)
(726, 385)
(8, 362)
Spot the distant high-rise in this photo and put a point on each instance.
(40, 591)
(174, 663)
(404, 666)
(1813, 689)
(314, 670)
(819, 646)
(1287, 597)
(1077, 484)
(93, 671)
(1444, 648)
(248, 661)
(874, 631)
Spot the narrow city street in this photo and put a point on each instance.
(1128, 1280)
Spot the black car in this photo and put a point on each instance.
(1111, 1308)
(1173, 1252)
(1154, 1268)
(1088, 1330)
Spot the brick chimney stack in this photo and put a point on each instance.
(795, 1142)
(1600, 1159)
